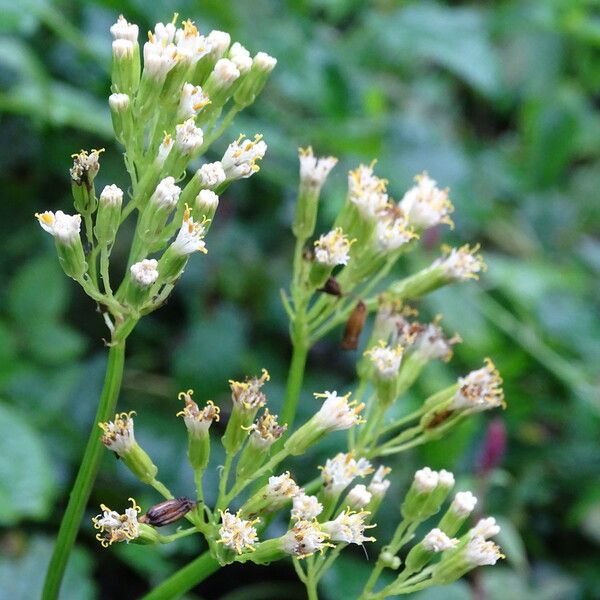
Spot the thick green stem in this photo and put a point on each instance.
(185, 579)
(86, 475)
(294, 383)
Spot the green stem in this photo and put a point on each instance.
(294, 383)
(86, 475)
(185, 579)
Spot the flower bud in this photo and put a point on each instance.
(122, 119)
(125, 66)
(358, 497)
(253, 83)
(118, 436)
(143, 275)
(156, 213)
(65, 231)
(378, 488)
(390, 561)
(313, 173)
(458, 512)
(205, 205)
(434, 542)
(211, 175)
(108, 217)
(198, 423)
(83, 172)
(220, 84)
(424, 485)
(385, 361)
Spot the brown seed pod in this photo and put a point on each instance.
(331, 287)
(438, 418)
(167, 512)
(354, 326)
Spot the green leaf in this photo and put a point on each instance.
(26, 484)
(22, 577)
(38, 291)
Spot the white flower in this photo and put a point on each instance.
(211, 175)
(191, 46)
(282, 486)
(463, 504)
(431, 343)
(266, 430)
(263, 62)
(313, 170)
(446, 479)
(239, 160)
(119, 102)
(115, 527)
(479, 390)
(206, 202)
(219, 42)
(358, 496)
(160, 53)
(237, 534)
(349, 527)
(379, 484)
(437, 541)
(367, 191)
(339, 472)
(165, 148)
(123, 30)
(197, 421)
(247, 395)
(426, 480)
(392, 231)
(191, 101)
(65, 228)
(111, 194)
(461, 264)
(224, 73)
(122, 49)
(425, 205)
(485, 528)
(118, 434)
(305, 538)
(145, 272)
(240, 57)
(333, 248)
(190, 236)
(337, 413)
(166, 193)
(188, 137)
(479, 552)
(386, 359)
(306, 508)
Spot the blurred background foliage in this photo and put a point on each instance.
(497, 100)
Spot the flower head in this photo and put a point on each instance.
(123, 30)
(247, 394)
(392, 230)
(211, 175)
(240, 57)
(305, 538)
(236, 533)
(197, 421)
(485, 528)
(480, 389)
(367, 191)
(313, 170)
(426, 480)
(111, 195)
(282, 486)
(431, 343)
(341, 470)
(461, 264)
(166, 193)
(463, 504)
(333, 248)
(191, 101)
(337, 413)
(349, 527)
(479, 552)
(263, 62)
(386, 359)
(306, 508)
(115, 527)
(437, 541)
(219, 42)
(85, 166)
(65, 228)
(241, 156)
(190, 238)
(379, 484)
(359, 496)
(145, 272)
(225, 72)
(425, 205)
(266, 430)
(118, 434)
(119, 103)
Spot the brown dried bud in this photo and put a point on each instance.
(331, 287)
(167, 512)
(354, 326)
(438, 418)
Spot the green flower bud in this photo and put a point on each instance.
(108, 217)
(255, 80)
(458, 512)
(84, 170)
(122, 118)
(143, 275)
